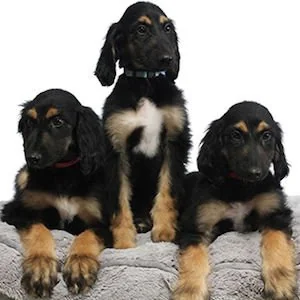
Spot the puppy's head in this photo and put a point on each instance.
(144, 39)
(57, 128)
(243, 144)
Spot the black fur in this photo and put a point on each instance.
(226, 159)
(76, 132)
(140, 46)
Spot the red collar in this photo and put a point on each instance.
(66, 164)
(233, 175)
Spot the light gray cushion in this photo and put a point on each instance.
(149, 271)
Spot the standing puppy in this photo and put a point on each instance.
(145, 124)
(236, 191)
(60, 187)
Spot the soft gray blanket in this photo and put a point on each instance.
(150, 270)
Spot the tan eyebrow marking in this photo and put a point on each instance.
(51, 112)
(32, 113)
(242, 126)
(163, 19)
(145, 19)
(262, 126)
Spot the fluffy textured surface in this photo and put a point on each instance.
(149, 271)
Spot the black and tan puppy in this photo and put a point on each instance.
(146, 125)
(235, 190)
(61, 187)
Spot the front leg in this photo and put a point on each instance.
(194, 269)
(122, 225)
(164, 213)
(82, 265)
(278, 265)
(40, 262)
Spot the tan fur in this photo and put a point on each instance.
(278, 264)
(164, 213)
(163, 19)
(145, 19)
(22, 179)
(262, 126)
(37, 240)
(88, 208)
(174, 119)
(40, 262)
(82, 262)
(123, 229)
(242, 126)
(194, 269)
(32, 113)
(120, 125)
(209, 214)
(52, 111)
(266, 203)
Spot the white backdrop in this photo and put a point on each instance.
(231, 51)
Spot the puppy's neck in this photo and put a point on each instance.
(144, 74)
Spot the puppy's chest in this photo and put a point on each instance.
(150, 119)
(143, 126)
(237, 212)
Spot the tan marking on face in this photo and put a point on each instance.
(145, 19)
(123, 229)
(164, 213)
(52, 111)
(266, 203)
(22, 179)
(32, 113)
(194, 268)
(278, 264)
(262, 126)
(241, 126)
(163, 19)
(174, 119)
(87, 209)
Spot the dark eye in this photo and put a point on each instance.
(167, 27)
(141, 29)
(236, 135)
(267, 135)
(57, 122)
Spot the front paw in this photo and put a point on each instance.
(124, 238)
(80, 272)
(187, 293)
(163, 233)
(39, 275)
(280, 284)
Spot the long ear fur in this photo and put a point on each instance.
(281, 167)
(210, 160)
(106, 66)
(90, 140)
(173, 74)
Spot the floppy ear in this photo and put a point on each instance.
(210, 160)
(281, 167)
(90, 140)
(173, 73)
(106, 66)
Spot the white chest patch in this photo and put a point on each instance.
(237, 213)
(151, 119)
(67, 208)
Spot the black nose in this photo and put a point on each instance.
(34, 158)
(166, 59)
(255, 172)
